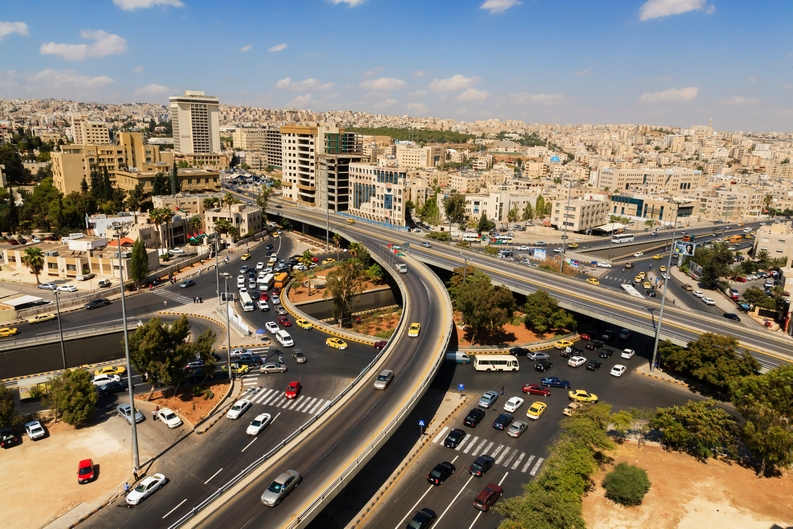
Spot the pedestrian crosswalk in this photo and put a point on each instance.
(512, 458)
(277, 399)
(172, 296)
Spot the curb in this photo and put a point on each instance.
(665, 379)
(533, 346)
(89, 367)
(222, 414)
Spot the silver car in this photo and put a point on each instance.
(280, 487)
(383, 379)
(535, 355)
(125, 411)
(488, 399)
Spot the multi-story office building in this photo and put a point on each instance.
(245, 217)
(579, 215)
(266, 140)
(196, 125)
(640, 206)
(89, 132)
(378, 192)
(776, 239)
(420, 157)
(671, 180)
(191, 180)
(333, 183)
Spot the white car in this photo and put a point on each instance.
(513, 404)
(618, 370)
(627, 353)
(258, 424)
(167, 416)
(698, 294)
(240, 281)
(238, 409)
(48, 286)
(101, 380)
(576, 361)
(272, 368)
(236, 353)
(708, 301)
(557, 250)
(271, 327)
(176, 250)
(34, 430)
(260, 266)
(67, 288)
(603, 264)
(638, 254)
(146, 488)
(522, 248)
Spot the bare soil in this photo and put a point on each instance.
(509, 335)
(299, 293)
(688, 494)
(187, 406)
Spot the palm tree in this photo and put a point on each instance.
(355, 250)
(234, 232)
(34, 260)
(157, 217)
(763, 257)
(167, 216)
(261, 200)
(337, 241)
(307, 260)
(222, 226)
(195, 223)
(211, 203)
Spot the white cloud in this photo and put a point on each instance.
(352, 3)
(673, 95)
(70, 79)
(137, 69)
(664, 8)
(421, 73)
(246, 48)
(458, 82)
(373, 71)
(738, 101)
(277, 47)
(525, 98)
(131, 5)
(416, 94)
(497, 6)
(300, 102)
(302, 86)
(752, 79)
(8, 28)
(581, 73)
(418, 108)
(472, 94)
(383, 84)
(152, 90)
(105, 44)
(711, 9)
(67, 84)
(388, 103)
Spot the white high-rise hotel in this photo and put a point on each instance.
(196, 123)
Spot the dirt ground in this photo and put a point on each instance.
(511, 334)
(182, 403)
(58, 491)
(299, 293)
(687, 494)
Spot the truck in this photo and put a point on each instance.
(402, 268)
(280, 280)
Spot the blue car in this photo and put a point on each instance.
(555, 382)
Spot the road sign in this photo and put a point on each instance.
(461, 386)
(421, 423)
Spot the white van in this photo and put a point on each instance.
(458, 357)
(263, 306)
(283, 338)
(402, 268)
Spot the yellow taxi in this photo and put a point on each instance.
(582, 396)
(304, 324)
(39, 318)
(110, 370)
(237, 368)
(647, 285)
(562, 344)
(536, 409)
(658, 256)
(276, 235)
(415, 329)
(336, 343)
(593, 281)
(639, 278)
(573, 245)
(662, 269)
(245, 257)
(350, 221)
(329, 260)
(5, 332)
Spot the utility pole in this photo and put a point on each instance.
(60, 330)
(663, 296)
(564, 220)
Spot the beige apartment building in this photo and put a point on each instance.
(89, 132)
(776, 239)
(420, 157)
(378, 193)
(728, 204)
(196, 123)
(264, 141)
(466, 182)
(673, 180)
(579, 215)
(190, 205)
(192, 180)
(245, 217)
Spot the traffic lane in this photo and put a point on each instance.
(313, 459)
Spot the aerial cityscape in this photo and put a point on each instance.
(263, 274)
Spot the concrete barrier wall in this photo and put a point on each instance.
(322, 309)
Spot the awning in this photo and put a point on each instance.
(24, 300)
(613, 226)
(126, 241)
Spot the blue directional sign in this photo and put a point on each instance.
(461, 386)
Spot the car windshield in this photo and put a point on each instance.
(476, 466)
(382, 377)
(170, 416)
(140, 488)
(435, 473)
(256, 423)
(85, 470)
(275, 487)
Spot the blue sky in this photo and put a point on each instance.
(661, 62)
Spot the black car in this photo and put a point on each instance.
(95, 303)
(268, 247)
(481, 465)
(111, 387)
(502, 421)
(278, 206)
(518, 351)
(731, 316)
(607, 335)
(567, 352)
(474, 417)
(454, 438)
(8, 438)
(606, 353)
(187, 283)
(423, 519)
(440, 473)
(543, 365)
(593, 365)
(594, 344)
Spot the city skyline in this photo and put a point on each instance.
(665, 62)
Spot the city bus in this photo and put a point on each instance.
(470, 237)
(246, 302)
(266, 282)
(736, 238)
(689, 238)
(622, 237)
(503, 238)
(497, 362)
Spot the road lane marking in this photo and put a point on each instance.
(249, 444)
(305, 401)
(478, 448)
(270, 398)
(172, 510)
(536, 467)
(475, 519)
(455, 459)
(462, 489)
(503, 478)
(517, 463)
(281, 401)
(274, 418)
(264, 395)
(510, 458)
(467, 448)
(496, 451)
(296, 401)
(310, 402)
(212, 476)
(501, 457)
(402, 521)
(324, 407)
(316, 407)
(443, 432)
(528, 463)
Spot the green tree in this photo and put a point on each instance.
(410, 207)
(375, 273)
(490, 250)
(107, 187)
(454, 207)
(543, 314)
(97, 186)
(176, 183)
(766, 402)
(757, 296)
(14, 170)
(484, 307)
(159, 185)
(429, 212)
(139, 262)
(135, 199)
(485, 224)
(72, 396)
(195, 223)
(342, 284)
(716, 263)
(211, 203)
(528, 212)
(34, 260)
(626, 484)
(699, 428)
(337, 242)
(539, 207)
(263, 198)
(513, 214)
(9, 414)
(307, 259)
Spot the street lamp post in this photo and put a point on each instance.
(217, 265)
(119, 228)
(60, 330)
(465, 266)
(564, 220)
(327, 216)
(226, 277)
(663, 296)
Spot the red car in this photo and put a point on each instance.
(488, 497)
(13, 241)
(315, 259)
(264, 296)
(85, 471)
(283, 320)
(379, 345)
(586, 336)
(535, 389)
(293, 389)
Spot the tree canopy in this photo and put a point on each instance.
(485, 308)
(342, 283)
(418, 135)
(72, 396)
(543, 314)
(699, 428)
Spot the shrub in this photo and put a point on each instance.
(626, 484)
(197, 391)
(208, 394)
(385, 334)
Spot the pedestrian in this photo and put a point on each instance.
(200, 299)
(280, 359)
(157, 409)
(126, 489)
(165, 303)
(153, 415)
(135, 473)
(502, 391)
(150, 287)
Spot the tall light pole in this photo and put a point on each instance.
(564, 220)
(465, 266)
(60, 330)
(119, 228)
(327, 216)
(663, 296)
(226, 277)
(217, 266)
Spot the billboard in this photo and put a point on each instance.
(540, 254)
(686, 249)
